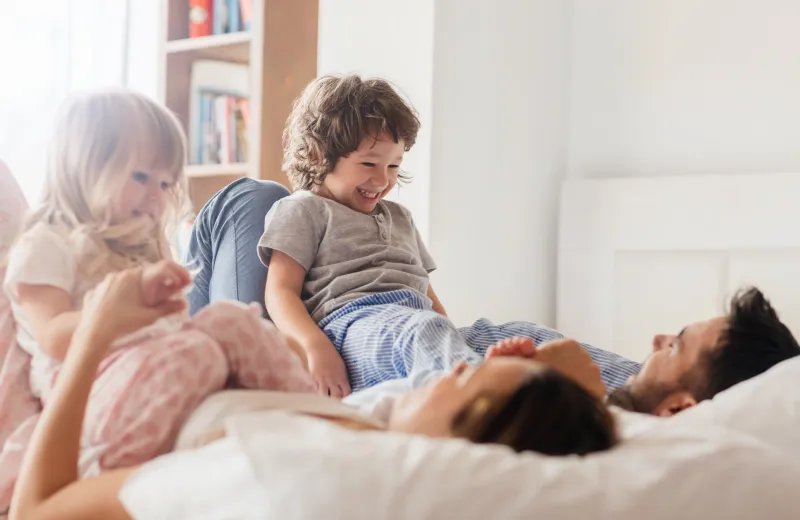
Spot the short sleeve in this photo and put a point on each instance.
(41, 256)
(427, 260)
(293, 226)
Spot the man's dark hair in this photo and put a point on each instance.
(753, 341)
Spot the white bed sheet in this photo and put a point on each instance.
(730, 458)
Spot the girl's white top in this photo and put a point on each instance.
(42, 256)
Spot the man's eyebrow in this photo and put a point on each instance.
(680, 334)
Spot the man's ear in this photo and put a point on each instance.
(674, 403)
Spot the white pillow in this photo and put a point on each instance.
(766, 407)
(309, 469)
(299, 467)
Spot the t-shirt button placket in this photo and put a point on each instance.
(384, 234)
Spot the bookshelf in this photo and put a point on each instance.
(279, 51)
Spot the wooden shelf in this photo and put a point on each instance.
(226, 47)
(214, 170)
(280, 51)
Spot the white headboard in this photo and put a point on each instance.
(649, 255)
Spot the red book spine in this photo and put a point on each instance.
(199, 18)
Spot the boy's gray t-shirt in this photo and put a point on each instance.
(346, 254)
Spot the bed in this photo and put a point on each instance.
(626, 270)
(638, 256)
(733, 458)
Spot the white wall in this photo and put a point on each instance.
(498, 155)
(393, 41)
(490, 81)
(663, 87)
(515, 95)
(145, 37)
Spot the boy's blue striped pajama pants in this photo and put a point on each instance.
(397, 335)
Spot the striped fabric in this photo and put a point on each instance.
(397, 334)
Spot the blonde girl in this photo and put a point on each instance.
(114, 181)
(114, 185)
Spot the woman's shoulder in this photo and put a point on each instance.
(213, 413)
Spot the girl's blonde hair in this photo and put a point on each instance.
(100, 138)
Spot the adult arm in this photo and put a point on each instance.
(48, 486)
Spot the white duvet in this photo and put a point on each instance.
(736, 457)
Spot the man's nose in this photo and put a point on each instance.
(661, 341)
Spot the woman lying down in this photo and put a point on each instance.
(507, 400)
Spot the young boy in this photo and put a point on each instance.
(348, 271)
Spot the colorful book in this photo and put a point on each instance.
(200, 16)
(220, 18)
(234, 21)
(246, 13)
(218, 97)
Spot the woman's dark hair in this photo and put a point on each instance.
(549, 413)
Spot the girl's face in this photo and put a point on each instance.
(363, 178)
(143, 195)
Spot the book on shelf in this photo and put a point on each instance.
(223, 128)
(219, 112)
(207, 17)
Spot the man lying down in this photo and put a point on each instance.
(702, 360)
(512, 398)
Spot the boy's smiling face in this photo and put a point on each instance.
(367, 175)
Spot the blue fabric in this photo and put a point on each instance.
(222, 246)
(397, 334)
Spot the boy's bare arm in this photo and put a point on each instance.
(437, 305)
(286, 309)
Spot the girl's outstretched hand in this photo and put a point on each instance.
(162, 281)
(116, 307)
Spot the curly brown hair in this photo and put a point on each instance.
(330, 119)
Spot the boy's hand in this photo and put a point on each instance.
(327, 368)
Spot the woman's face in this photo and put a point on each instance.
(431, 410)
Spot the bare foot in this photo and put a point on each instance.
(518, 346)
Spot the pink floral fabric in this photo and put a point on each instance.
(146, 389)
